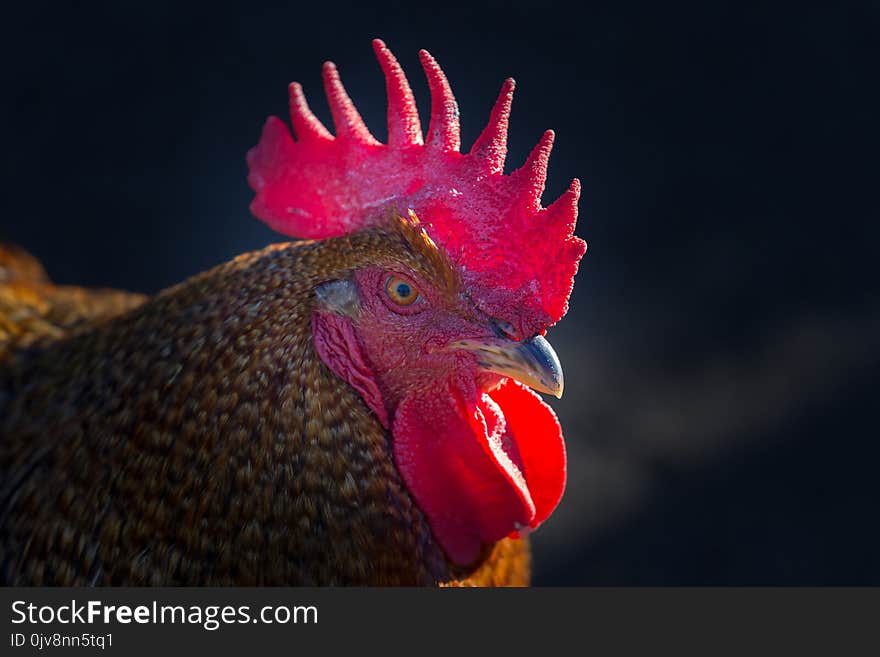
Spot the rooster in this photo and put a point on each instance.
(354, 409)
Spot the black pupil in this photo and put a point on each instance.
(403, 290)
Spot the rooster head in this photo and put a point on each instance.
(446, 352)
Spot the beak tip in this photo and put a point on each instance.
(531, 362)
(556, 389)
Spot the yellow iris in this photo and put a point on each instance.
(401, 291)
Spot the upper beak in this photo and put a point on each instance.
(532, 362)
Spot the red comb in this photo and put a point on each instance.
(518, 258)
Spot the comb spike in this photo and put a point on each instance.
(346, 118)
(276, 145)
(306, 125)
(491, 145)
(404, 127)
(444, 132)
(564, 210)
(532, 175)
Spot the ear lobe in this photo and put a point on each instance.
(339, 297)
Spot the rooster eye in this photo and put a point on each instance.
(401, 291)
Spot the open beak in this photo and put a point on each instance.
(532, 362)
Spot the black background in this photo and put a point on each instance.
(723, 342)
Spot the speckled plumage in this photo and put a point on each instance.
(32, 309)
(198, 439)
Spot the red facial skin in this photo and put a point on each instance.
(482, 456)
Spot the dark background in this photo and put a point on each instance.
(723, 345)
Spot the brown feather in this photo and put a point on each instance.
(196, 438)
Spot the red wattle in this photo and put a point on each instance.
(541, 446)
(480, 469)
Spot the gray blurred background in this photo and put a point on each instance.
(723, 345)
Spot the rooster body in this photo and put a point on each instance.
(160, 469)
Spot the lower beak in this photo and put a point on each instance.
(532, 362)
